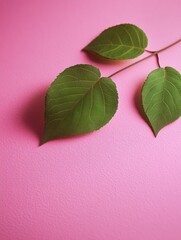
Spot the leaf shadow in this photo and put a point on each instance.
(32, 117)
(33, 113)
(139, 106)
(93, 57)
(68, 139)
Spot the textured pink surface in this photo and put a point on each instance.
(119, 183)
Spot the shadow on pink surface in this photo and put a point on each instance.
(138, 104)
(33, 117)
(95, 58)
(33, 114)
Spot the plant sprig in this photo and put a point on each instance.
(80, 100)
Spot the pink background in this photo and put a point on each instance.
(119, 183)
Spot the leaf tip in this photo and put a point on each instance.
(155, 132)
(84, 49)
(43, 141)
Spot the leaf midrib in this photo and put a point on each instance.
(165, 89)
(74, 106)
(116, 44)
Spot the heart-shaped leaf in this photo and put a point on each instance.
(79, 101)
(161, 97)
(124, 41)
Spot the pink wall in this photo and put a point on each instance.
(119, 183)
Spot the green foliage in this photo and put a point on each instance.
(161, 97)
(79, 101)
(125, 41)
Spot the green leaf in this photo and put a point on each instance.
(161, 97)
(125, 41)
(79, 101)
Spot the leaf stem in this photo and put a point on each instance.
(152, 53)
(148, 51)
(157, 60)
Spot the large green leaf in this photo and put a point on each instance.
(161, 97)
(79, 101)
(125, 41)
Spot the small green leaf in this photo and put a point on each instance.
(79, 101)
(161, 97)
(125, 41)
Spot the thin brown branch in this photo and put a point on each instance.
(152, 53)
